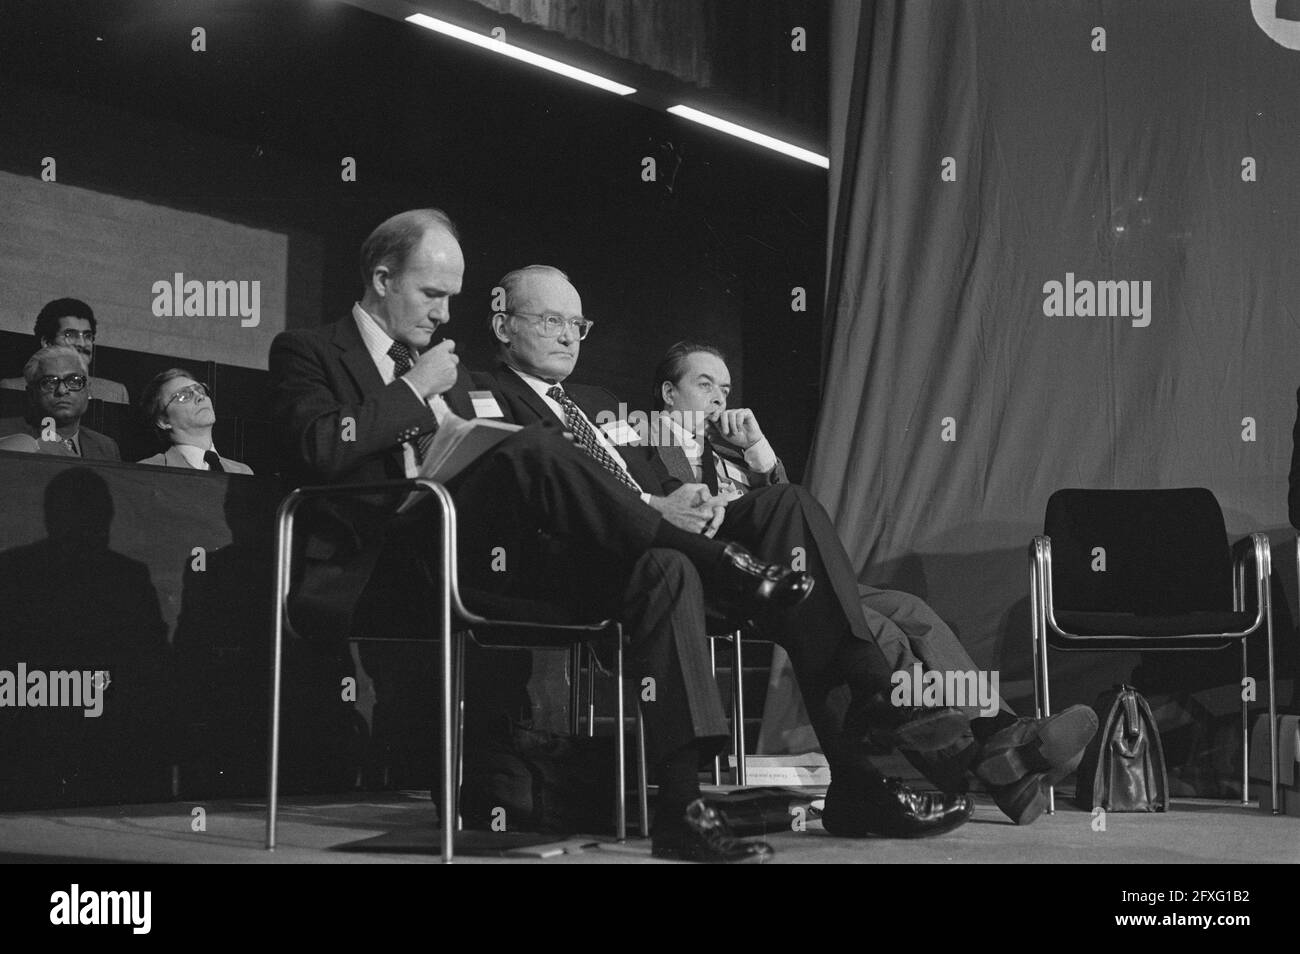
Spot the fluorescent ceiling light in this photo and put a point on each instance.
(756, 137)
(514, 52)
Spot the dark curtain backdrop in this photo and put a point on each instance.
(1122, 164)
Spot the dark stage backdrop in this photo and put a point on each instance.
(992, 149)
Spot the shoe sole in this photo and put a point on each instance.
(928, 733)
(1026, 807)
(1057, 751)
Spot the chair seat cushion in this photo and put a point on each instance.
(1200, 623)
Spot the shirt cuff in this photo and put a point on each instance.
(645, 497)
(437, 404)
(761, 458)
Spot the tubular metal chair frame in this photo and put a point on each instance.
(451, 641)
(1048, 633)
(741, 773)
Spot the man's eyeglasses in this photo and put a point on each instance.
(551, 325)
(188, 393)
(73, 382)
(68, 336)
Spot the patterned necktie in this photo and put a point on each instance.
(402, 363)
(213, 461)
(576, 421)
(71, 445)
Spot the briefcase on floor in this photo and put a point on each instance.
(1123, 768)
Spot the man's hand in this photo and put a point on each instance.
(739, 426)
(692, 508)
(434, 371)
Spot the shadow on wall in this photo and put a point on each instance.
(72, 605)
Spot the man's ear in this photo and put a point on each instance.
(665, 392)
(379, 279)
(499, 328)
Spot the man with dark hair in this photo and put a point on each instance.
(357, 401)
(538, 334)
(698, 435)
(71, 322)
(57, 387)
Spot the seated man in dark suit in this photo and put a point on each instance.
(700, 437)
(538, 335)
(71, 322)
(57, 394)
(359, 400)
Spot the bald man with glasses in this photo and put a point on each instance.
(58, 392)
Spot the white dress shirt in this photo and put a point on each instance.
(378, 342)
(542, 386)
(194, 455)
(733, 482)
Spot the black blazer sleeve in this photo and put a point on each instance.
(310, 419)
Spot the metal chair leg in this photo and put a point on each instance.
(448, 807)
(738, 695)
(283, 560)
(591, 691)
(575, 688)
(713, 669)
(1266, 594)
(642, 783)
(620, 744)
(461, 640)
(1245, 731)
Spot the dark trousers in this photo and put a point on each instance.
(665, 610)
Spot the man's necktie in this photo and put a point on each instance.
(402, 363)
(576, 421)
(709, 467)
(71, 445)
(213, 461)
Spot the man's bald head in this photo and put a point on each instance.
(413, 267)
(532, 294)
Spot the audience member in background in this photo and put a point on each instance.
(181, 413)
(58, 390)
(70, 321)
(698, 437)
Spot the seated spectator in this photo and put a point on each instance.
(181, 413)
(70, 321)
(58, 391)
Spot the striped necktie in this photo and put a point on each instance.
(402, 363)
(576, 421)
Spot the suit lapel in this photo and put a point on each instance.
(457, 397)
(517, 391)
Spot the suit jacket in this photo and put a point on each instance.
(522, 405)
(674, 459)
(172, 457)
(94, 445)
(335, 421)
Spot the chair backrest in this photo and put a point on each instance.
(1164, 552)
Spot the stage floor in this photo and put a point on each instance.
(401, 828)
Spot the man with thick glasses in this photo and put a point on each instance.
(182, 414)
(71, 322)
(58, 391)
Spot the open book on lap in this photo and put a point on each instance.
(456, 444)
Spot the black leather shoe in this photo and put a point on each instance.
(895, 812)
(703, 835)
(912, 728)
(752, 584)
(1052, 746)
(1023, 800)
